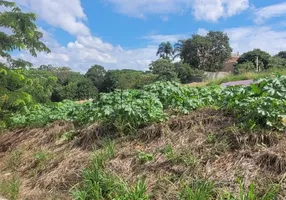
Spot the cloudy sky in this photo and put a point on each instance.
(121, 34)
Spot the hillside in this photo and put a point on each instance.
(166, 141)
(204, 147)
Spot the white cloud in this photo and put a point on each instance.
(268, 12)
(212, 10)
(65, 14)
(88, 50)
(202, 31)
(247, 38)
(209, 10)
(84, 52)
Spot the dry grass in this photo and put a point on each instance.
(205, 144)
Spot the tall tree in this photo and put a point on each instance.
(23, 35)
(282, 54)
(207, 52)
(97, 75)
(165, 50)
(178, 48)
(252, 56)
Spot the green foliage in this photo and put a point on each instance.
(251, 194)
(14, 160)
(187, 74)
(244, 67)
(165, 70)
(197, 190)
(277, 62)
(25, 34)
(100, 184)
(43, 114)
(10, 188)
(126, 79)
(178, 48)
(282, 54)
(251, 56)
(207, 52)
(144, 157)
(165, 50)
(261, 105)
(97, 75)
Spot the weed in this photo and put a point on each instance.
(10, 188)
(100, 184)
(251, 194)
(67, 136)
(41, 160)
(197, 190)
(144, 157)
(14, 160)
(211, 138)
(184, 157)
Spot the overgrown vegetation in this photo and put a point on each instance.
(100, 184)
(259, 105)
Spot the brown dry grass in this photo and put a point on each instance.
(205, 144)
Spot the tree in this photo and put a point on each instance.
(109, 83)
(251, 56)
(24, 33)
(187, 74)
(165, 50)
(165, 70)
(97, 75)
(244, 67)
(15, 87)
(85, 90)
(46, 67)
(208, 52)
(276, 62)
(282, 54)
(178, 48)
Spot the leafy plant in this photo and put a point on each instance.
(144, 157)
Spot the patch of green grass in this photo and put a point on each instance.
(197, 190)
(246, 76)
(41, 158)
(251, 194)
(100, 184)
(14, 160)
(143, 157)
(67, 136)
(184, 157)
(10, 188)
(211, 138)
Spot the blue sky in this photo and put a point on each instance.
(125, 33)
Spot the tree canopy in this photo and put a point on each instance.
(22, 31)
(165, 50)
(165, 70)
(251, 56)
(96, 74)
(207, 52)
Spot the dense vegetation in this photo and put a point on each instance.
(262, 104)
